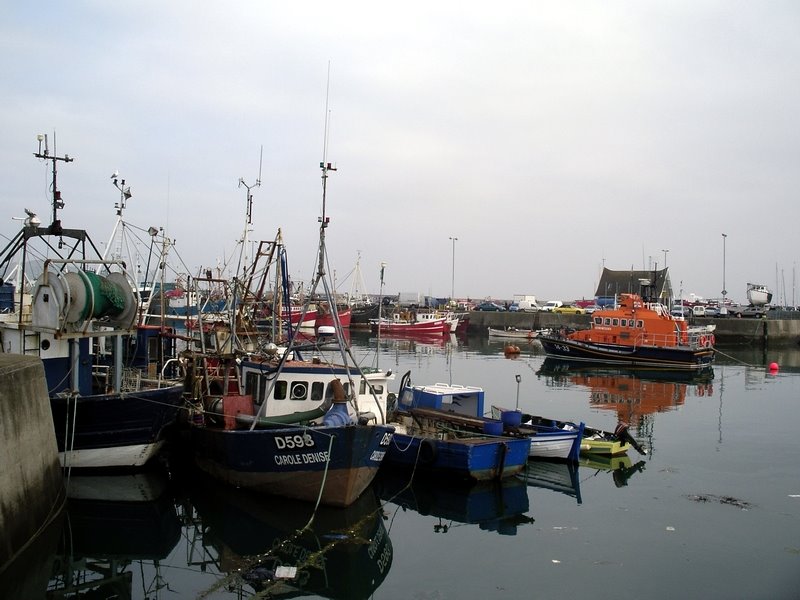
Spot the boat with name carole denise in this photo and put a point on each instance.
(267, 420)
(635, 333)
(77, 311)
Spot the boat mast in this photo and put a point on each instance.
(58, 203)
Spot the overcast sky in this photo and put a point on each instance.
(550, 138)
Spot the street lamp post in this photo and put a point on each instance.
(724, 290)
(453, 278)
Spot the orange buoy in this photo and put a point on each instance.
(773, 367)
(511, 349)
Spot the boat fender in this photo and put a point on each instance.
(712, 339)
(427, 452)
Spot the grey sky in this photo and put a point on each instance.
(549, 137)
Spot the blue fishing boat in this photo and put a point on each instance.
(113, 389)
(439, 429)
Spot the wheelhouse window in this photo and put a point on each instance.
(607, 321)
(598, 320)
(281, 387)
(640, 324)
(615, 322)
(317, 390)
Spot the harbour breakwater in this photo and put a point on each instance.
(728, 332)
(31, 484)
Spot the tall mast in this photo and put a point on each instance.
(58, 203)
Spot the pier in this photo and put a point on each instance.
(728, 332)
(31, 483)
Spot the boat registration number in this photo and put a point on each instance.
(291, 442)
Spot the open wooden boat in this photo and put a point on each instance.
(513, 333)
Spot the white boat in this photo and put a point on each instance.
(758, 294)
(513, 332)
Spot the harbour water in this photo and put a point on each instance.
(712, 511)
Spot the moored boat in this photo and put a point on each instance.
(265, 420)
(440, 430)
(420, 323)
(513, 333)
(635, 333)
(592, 441)
(113, 387)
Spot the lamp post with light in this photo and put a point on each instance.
(724, 289)
(453, 277)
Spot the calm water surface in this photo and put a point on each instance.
(713, 511)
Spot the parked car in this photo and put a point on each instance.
(712, 311)
(490, 306)
(591, 308)
(552, 304)
(752, 312)
(681, 311)
(569, 309)
(514, 307)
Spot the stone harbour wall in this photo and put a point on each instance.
(31, 484)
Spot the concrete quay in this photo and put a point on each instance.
(729, 331)
(31, 483)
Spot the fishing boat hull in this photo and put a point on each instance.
(326, 319)
(479, 458)
(334, 464)
(114, 430)
(432, 327)
(676, 357)
(362, 315)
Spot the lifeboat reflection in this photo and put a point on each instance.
(631, 393)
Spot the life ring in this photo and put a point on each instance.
(299, 391)
(703, 341)
(427, 452)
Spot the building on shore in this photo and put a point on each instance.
(655, 285)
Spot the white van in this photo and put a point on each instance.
(551, 305)
(527, 306)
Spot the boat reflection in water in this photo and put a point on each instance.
(631, 393)
(498, 506)
(273, 545)
(565, 477)
(118, 527)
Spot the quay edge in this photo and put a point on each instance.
(32, 493)
(729, 331)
